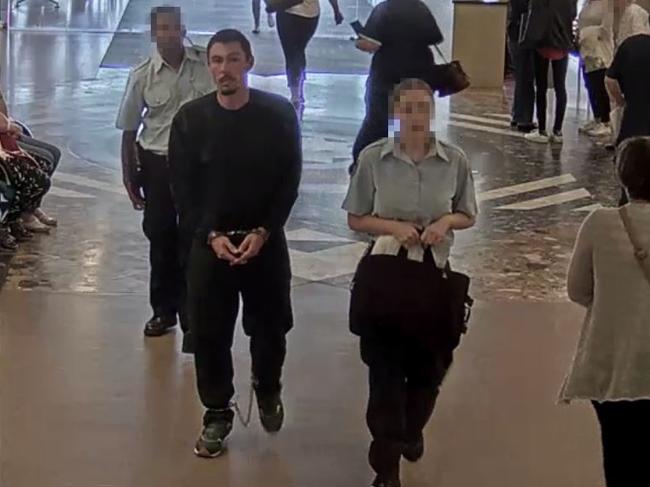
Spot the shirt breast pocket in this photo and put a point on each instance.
(157, 96)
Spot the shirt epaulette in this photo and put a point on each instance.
(142, 65)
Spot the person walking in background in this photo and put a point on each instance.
(523, 58)
(609, 274)
(156, 89)
(407, 356)
(399, 35)
(552, 49)
(296, 27)
(257, 14)
(596, 45)
(236, 161)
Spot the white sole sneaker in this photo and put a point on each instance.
(537, 138)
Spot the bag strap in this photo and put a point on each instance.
(440, 53)
(640, 254)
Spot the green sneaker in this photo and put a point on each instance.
(212, 441)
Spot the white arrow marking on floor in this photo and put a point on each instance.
(499, 115)
(474, 118)
(589, 208)
(484, 128)
(68, 193)
(90, 183)
(555, 199)
(526, 187)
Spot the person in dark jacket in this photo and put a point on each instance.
(523, 59)
(399, 34)
(550, 32)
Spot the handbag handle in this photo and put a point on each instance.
(441, 54)
(640, 254)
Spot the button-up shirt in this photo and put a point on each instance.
(155, 92)
(388, 184)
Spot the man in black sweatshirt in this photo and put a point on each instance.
(236, 161)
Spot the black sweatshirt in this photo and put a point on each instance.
(235, 169)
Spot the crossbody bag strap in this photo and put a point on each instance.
(640, 254)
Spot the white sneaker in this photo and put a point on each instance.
(588, 126)
(537, 136)
(556, 139)
(600, 130)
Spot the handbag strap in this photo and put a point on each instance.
(640, 254)
(441, 54)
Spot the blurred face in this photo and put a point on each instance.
(229, 67)
(167, 31)
(415, 110)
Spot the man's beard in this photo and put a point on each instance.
(227, 91)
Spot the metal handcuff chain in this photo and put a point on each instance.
(245, 420)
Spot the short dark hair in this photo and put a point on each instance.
(228, 36)
(633, 162)
(169, 10)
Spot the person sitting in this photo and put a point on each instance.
(47, 156)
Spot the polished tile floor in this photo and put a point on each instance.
(85, 401)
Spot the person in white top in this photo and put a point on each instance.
(610, 276)
(296, 26)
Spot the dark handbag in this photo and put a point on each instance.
(280, 5)
(417, 297)
(450, 77)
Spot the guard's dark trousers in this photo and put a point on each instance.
(215, 288)
(160, 225)
(405, 375)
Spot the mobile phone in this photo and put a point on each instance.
(357, 27)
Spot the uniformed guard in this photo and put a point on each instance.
(156, 89)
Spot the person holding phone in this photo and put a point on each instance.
(398, 34)
(296, 27)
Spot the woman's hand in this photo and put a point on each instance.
(435, 233)
(338, 17)
(408, 234)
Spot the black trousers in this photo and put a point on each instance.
(295, 32)
(405, 374)
(625, 428)
(598, 97)
(559, 68)
(167, 288)
(214, 291)
(524, 98)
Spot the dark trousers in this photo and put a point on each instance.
(625, 428)
(524, 98)
(295, 32)
(375, 123)
(214, 291)
(160, 225)
(598, 97)
(30, 182)
(405, 374)
(559, 68)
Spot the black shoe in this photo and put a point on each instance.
(212, 441)
(20, 233)
(271, 411)
(386, 482)
(158, 325)
(414, 451)
(7, 241)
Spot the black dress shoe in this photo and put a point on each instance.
(158, 325)
(414, 451)
(386, 482)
